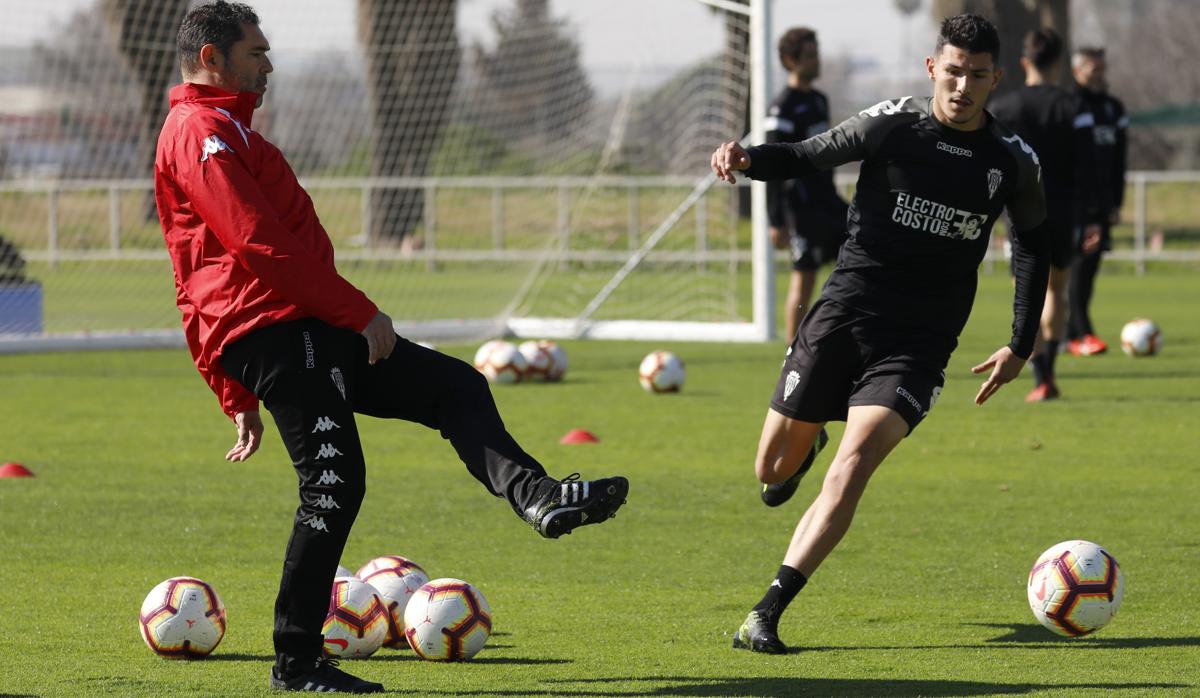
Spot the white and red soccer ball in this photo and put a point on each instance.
(500, 362)
(182, 617)
(661, 372)
(448, 620)
(396, 579)
(1141, 337)
(356, 624)
(544, 360)
(1075, 588)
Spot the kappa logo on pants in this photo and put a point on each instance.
(326, 502)
(328, 477)
(327, 451)
(324, 424)
(316, 523)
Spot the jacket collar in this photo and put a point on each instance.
(239, 104)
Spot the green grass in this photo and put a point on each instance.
(925, 596)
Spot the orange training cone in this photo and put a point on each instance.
(579, 436)
(14, 470)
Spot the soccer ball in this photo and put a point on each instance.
(1141, 337)
(500, 361)
(661, 372)
(545, 360)
(182, 617)
(343, 571)
(357, 622)
(1075, 588)
(447, 619)
(396, 579)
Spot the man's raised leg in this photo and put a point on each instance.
(787, 449)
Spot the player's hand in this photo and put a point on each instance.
(249, 431)
(779, 238)
(729, 158)
(1004, 365)
(381, 337)
(1091, 238)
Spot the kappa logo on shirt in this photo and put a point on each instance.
(211, 146)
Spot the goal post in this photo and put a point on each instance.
(515, 185)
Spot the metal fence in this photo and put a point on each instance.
(1147, 244)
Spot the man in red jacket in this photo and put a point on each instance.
(267, 317)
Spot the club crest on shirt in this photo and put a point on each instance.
(211, 146)
(994, 176)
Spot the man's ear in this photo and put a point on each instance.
(930, 63)
(209, 56)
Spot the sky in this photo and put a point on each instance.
(612, 33)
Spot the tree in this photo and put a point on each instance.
(532, 86)
(1014, 19)
(145, 34)
(412, 61)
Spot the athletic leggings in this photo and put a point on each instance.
(1084, 269)
(313, 378)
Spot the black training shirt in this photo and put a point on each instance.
(922, 214)
(794, 116)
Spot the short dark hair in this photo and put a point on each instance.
(793, 42)
(1087, 53)
(1043, 47)
(218, 23)
(972, 33)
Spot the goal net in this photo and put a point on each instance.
(483, 167)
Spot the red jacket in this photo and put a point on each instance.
(245, 241)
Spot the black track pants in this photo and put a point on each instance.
(1084, 269)
(313, 378)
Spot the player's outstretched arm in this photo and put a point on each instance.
(729, 158)
(249, 431)
(1004, 366)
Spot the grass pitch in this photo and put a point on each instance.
(925, 596)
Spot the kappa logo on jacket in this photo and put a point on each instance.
(211, 146)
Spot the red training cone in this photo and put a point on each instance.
(579, 436)
(14, 470)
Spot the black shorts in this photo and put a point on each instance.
(1061, 231)
(841, 357)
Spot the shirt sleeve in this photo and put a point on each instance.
(779, 130)
(1121, 156)
(1030, 255)
(853, 139)
(224, 193)
(233, 395)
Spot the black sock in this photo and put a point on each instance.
(787, 583)
(1051, 353)
(1037, 364)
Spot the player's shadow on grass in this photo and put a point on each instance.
(477, 659)
(786, 687)
(237, 657)
(1035, 634)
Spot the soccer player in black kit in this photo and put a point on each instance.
(936, 173)
(809, 208)
(807, 215)
(1105, 116)
(1044, 115)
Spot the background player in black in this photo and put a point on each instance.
(1043, 114)
(1105, 115)
(936, 173)
(807, 214)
